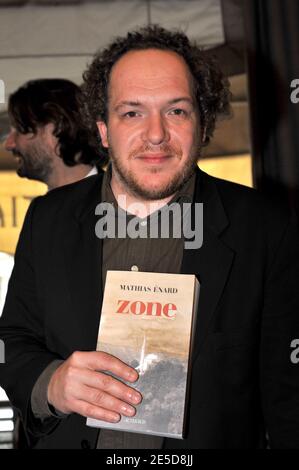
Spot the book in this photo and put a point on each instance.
(147, 321)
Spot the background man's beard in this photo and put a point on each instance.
(35, 166)
(127, 178)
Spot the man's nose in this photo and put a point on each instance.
(10, 141)
(156, 131)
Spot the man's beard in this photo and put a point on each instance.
(131, 183)
(35, 164)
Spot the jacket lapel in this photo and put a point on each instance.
(212, 262)
(83, 256)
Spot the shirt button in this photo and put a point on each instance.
(85, 444)
(134, 268)
(143, 223)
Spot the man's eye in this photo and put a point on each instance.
(131, 114)
(178, 112)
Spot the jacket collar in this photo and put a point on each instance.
(206, 191)
(213, 261)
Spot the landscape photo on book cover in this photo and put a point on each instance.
(146, 322)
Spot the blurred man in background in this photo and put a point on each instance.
(47, 136)
(50, 143)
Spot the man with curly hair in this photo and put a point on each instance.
(154, 98)
(47, 136)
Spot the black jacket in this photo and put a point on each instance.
(243, 383)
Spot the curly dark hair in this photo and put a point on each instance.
(57, 101)
(211, 88)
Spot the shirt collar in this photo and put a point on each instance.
(93, 171)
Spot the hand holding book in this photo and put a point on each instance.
(81, 386)
(148, 321)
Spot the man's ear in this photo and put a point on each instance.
(47, 133)
(103, 133)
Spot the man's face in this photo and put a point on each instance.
(33, 152)
(153, 129)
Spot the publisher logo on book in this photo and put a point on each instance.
(176, 220)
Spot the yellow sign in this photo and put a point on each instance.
(16, 193)
(15, 196)
(236, 168)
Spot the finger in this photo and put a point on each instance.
(101, 361)
(89, 410)
(102, 399)
(103, 381)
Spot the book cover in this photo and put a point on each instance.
(147, 321)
